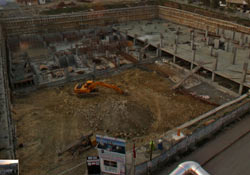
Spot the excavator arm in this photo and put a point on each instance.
(98, 83)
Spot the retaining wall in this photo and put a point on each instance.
(7, 129)
(83, 20)
(197, 136)
(198, 21)
(76, 21)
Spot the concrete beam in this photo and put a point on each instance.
(193, 59)
(234, 55)
(243, 78)
(215, 67)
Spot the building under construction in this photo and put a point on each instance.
(174, 65)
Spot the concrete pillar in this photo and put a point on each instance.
(107, 53)
(77, 50)
(66, 73)
(233, 35)
(161, 40)
(211, 48)
(215, 67)
(206, 32)
(193, 59)
(126, 34)
(207, 40)
(141, 53)
(175, 51)
(192, 45)
(234, 55)
(176, 38)
(135, 38)
(192, 36)
(246, 39)
(241, 42)
(158, 51)
(126, 50)
(118, 61)
(243, 79)
(242, 35)
(217, 31)
(222, 33)
(94, 69)
(226, 46)
(45, 44)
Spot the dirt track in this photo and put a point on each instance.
(50, 119)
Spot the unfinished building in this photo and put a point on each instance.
(140, 49)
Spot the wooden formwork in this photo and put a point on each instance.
(54, 23)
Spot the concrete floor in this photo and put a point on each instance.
(151, 30)
(231, 161)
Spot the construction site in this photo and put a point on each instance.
(160, 72)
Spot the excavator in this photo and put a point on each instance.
(90, 86)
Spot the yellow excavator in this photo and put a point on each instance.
(90, 87)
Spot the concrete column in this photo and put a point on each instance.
(135, 38)
(215, 67)
(94, 69)
(127, 50)
(161, 40)
(140, 55)
(243, 79)
(126, 34)
(217, 31)
(206, 32)
(242, 35)
(246, 39)
(176, 38)
(193, 59)
(241, 42)
(118, 61)
(175, 51)
(158, 51)
(211, 48)
(207, 40)
(66, 73)
(192, 45)
(226, 46)
(192, 36)
(222, 33)
(77, 50)
(234, 55)
(107, 53)
(45, 44)
(233, 35)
